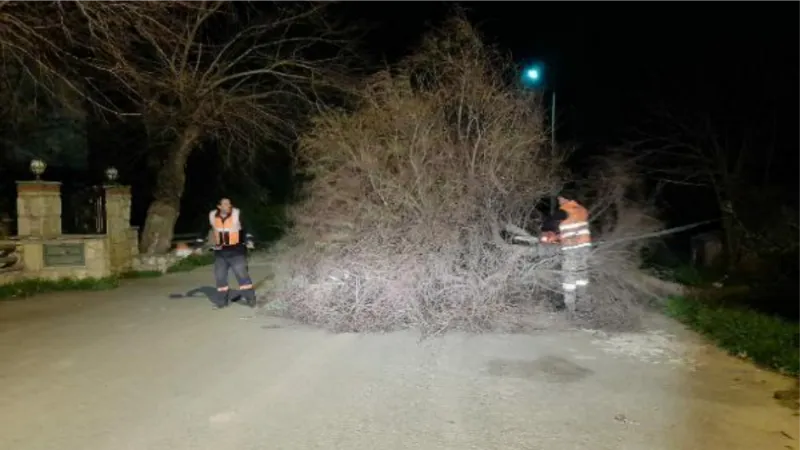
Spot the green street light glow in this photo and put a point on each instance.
(533, 77)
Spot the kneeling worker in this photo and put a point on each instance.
(230, 252)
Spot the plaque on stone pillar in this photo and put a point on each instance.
(56, 255)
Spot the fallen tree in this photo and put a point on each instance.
(401, 223)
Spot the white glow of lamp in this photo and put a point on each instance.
(111, 174)
(37, 168)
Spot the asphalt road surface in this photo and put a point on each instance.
(146, 367)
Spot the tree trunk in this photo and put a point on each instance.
(731, 235)
(163, 212)
(731, 247)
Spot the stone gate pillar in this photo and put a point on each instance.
(118, 226)
(39, 209)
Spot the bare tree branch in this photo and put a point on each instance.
(182, 63)
(695, 151)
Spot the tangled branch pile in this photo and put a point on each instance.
(402, 223)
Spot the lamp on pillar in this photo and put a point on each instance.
(37, 168)
(112, 174)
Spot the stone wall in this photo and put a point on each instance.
(39, 208)
(118, 228)
(12, 277)
(47, 254)
(40, 261)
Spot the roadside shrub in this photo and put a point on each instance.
(766, 340)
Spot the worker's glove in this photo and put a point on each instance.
(249, 241)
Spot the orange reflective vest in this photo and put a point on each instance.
(227, 230)
(574, 230)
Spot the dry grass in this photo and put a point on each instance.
(402, 223)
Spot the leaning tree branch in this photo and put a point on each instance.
(180, 73)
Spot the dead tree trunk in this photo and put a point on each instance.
(163, 212)
(730, 233)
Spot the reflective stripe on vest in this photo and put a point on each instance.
(226, 229)
(576, 238)
(574, 229)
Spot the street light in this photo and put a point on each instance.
(533, 76)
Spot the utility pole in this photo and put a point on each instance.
(553, 121)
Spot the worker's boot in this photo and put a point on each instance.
(221, 299)
(249, 297)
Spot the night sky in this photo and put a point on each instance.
(615, 62)
(613, 65)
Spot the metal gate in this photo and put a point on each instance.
(8, 207)
(83, 209)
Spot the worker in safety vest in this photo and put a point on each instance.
(230, 252)
(576, 243)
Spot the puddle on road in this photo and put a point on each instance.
(552, 369)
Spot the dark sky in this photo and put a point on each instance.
(614, 62)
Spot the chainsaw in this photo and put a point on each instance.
(550, 237)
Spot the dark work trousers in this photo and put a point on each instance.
(235, 260)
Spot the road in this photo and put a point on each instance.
(136, 368)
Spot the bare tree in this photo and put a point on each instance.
(48, 41)
(30, 63)
(27, 43)
(42, 48)
(693, 151)
(205, 71)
